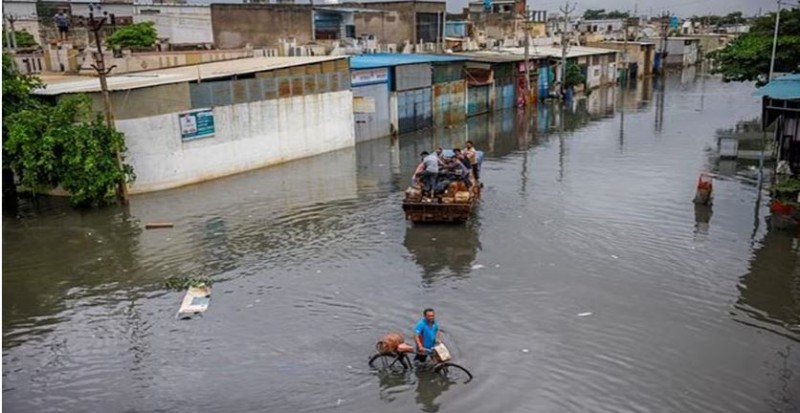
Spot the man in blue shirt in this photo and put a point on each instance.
(426, 334)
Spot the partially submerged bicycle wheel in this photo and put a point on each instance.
(388, 362)
(453, 372)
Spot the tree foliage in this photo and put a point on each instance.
(714, 20)
(747, 58)
(16, 89)
(600, 14)
(59, 145)
(23, 38)
(135, 36)
(574, 76)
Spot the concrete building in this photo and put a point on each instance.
(641, 55)
(184, 24)
(400, 93)
(264, 25)
(682, 51)
(196, 123)
(496, 80)
(509, 7)
(598, 65)
(26, 16)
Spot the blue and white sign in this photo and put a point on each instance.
(196, 124)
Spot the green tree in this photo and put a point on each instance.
(135, 36)
(600, 14)
(61, 144)
(574, 77)
(747, 58)
(616, 14)
(24, 39)
(594, 14)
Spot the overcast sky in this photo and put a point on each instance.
(681, 8)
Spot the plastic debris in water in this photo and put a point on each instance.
(477, 266)
(584, 314)
(525, 350)
(614, 256)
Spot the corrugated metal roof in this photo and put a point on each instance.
(555, 51)
(370, 61)
(493, 57)
(785, 87)
(350, 10)
(182, 74)
(517, 54)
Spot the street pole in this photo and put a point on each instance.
(8, 36)
(444, 27)
(527, 57)
(625, 53)
(96, 25)
(566, 10)
(774, 42)
(13, 38)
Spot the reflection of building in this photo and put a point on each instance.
(443, 251)
(770, 291)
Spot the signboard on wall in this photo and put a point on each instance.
(362, 104)
(369, 76)
(196, 124)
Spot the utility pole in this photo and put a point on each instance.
(8, 36)
(527, 56)
(664, 33)
(566, 10)
(12, 39)
(96, 25)
(625, 53)
(774, 41)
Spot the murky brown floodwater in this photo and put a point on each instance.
(585, 210)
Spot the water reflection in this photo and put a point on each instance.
(702, 218)
(770, 291)
(88, 254)
(443, 251)
(430, 387)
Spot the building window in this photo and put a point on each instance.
(428, 27)
(327, 26)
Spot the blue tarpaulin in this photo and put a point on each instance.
(784, 88)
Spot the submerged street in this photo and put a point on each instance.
(586, 211)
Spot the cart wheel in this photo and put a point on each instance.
(453, 372)
(388, 362)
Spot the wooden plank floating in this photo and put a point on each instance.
(195, 301)
(157, 225)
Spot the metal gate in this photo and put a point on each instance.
(505, 93)
(448, 103)
(371, 112)
(414, 110)
(478, 100)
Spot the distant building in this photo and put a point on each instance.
(195, 123)
(264, 25)
(682, 51)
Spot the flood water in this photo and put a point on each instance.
(585, 210)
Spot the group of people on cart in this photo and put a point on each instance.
(438, 169)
